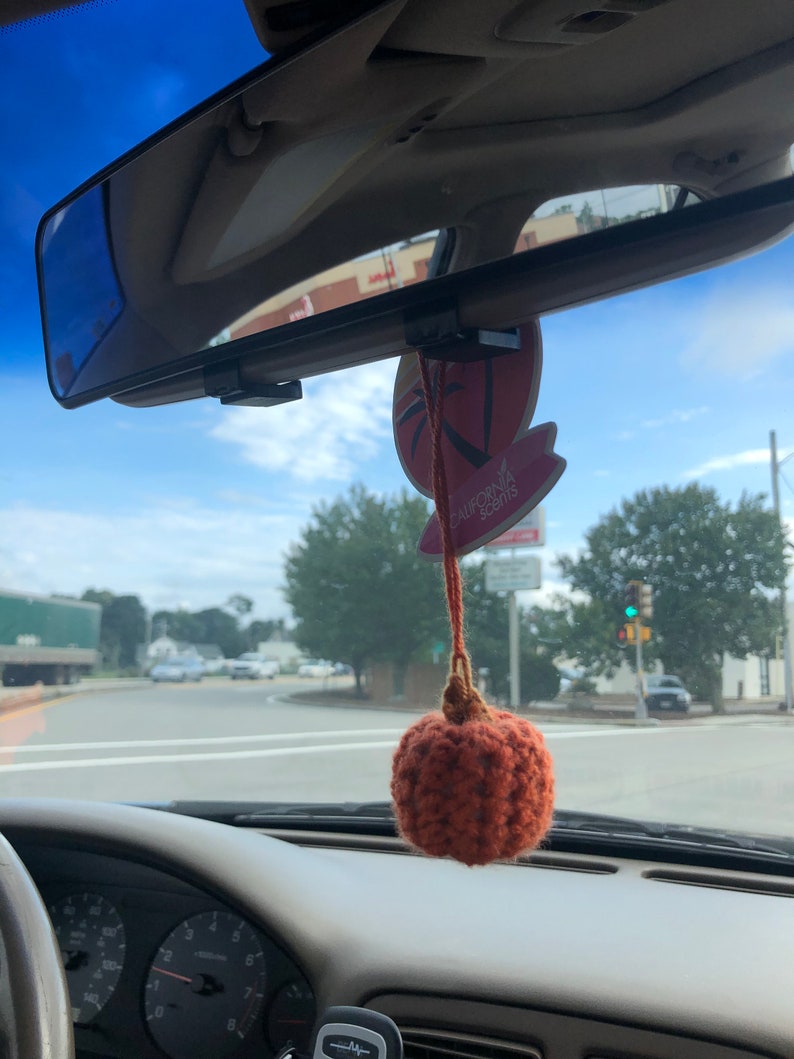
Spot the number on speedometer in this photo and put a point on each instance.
(205, 986)
(92, 942)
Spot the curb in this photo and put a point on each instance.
(38, 693)
(29, 697)
(401, 707)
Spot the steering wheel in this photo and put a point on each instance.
(35, 1011)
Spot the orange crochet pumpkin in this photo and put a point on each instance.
(472, 783)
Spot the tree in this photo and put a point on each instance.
(258, 631)
(586, 217)
(358, 589)
(715, 572)
(210, 626)
(122, 628)
(239, 604)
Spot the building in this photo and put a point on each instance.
(400, 265)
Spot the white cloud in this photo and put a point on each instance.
(741, 331)
(167, 555)
(674, 417)
(749, 457)
(340, 422)
(601, 473)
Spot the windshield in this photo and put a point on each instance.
(199, 533)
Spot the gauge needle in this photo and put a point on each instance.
(74, 958)
(181, 977)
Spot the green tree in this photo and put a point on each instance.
(358, 589)
(714, 569)
(211, 626)
(257, 631)
(239, 604)
(586, 217)
(122, 629)
(215, 626)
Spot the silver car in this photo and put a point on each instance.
(178, 670)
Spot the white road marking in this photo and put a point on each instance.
(171, 759)
(214, 740)
(595, 733)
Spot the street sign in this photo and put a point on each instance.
(511, 574)
(529, 532)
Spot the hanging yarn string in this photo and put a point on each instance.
(472, 782)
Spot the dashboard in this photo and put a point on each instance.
(186, 938)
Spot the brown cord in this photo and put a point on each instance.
(461, 700)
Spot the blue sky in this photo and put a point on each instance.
(188, 504)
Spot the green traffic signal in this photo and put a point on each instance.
(631, 599)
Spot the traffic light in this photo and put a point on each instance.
(631, 599)
(623, 637)
(646, 601)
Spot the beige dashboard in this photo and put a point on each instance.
(561, 956)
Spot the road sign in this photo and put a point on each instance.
(512, 574)
(529, 532)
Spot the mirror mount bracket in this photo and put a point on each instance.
(436, 332)
(224, 382)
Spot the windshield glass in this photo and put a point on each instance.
(199, 534)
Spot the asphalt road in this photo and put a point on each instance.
(234, 740)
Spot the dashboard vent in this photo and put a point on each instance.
(749, 884)
(561, 862)
(443, 1044)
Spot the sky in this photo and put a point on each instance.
(185, 505)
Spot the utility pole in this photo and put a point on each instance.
(515, 652)
(783, 600)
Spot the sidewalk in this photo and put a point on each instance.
(607, 710)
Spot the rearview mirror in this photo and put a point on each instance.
(129, 352)
(144, 270)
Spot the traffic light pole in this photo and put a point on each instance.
(783, 599)
(641, 710)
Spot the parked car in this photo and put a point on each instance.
(316, 667)
(667, 692)
(178, 669)
(253, 666)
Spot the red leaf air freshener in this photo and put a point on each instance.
(472, 782)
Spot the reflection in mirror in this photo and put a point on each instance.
(389, 268)
(590, 211)
(83, 294)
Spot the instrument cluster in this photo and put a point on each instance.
(167, 971)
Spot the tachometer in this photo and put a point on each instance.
(92, 941)
(205, 986)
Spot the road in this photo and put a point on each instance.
(234, 740)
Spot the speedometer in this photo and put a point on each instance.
(91, 939)
(205, 986)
